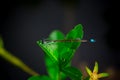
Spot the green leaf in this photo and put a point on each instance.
(50, 50)
(73, 73)
(76, 33)
(56, 35)
(52, 68)
(51, 56)
(66, 55)
(39, 78)
(67, 49)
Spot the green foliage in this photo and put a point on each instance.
(73, 73)
(59, 51)
(39, 78)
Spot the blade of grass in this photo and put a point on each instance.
(15, 61)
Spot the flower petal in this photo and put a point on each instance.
(103, 75)
(88, 71)
(96, 68)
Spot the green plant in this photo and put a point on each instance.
(59, 51)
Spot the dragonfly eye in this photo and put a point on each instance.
(92, 40)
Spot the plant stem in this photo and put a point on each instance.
(15, 61)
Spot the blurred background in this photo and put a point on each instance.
(23, 22)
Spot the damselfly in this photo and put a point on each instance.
(63, 40)
(68, 40)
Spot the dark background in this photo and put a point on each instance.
(23, 22)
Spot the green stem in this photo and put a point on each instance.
(15, 61)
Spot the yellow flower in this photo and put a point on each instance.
(94, 75)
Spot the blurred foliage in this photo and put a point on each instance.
(14, 60)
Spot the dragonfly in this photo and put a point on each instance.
(92, 40)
